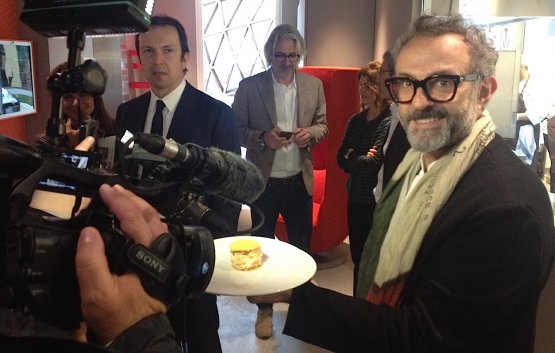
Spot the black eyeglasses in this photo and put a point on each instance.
(290, 57)
(438, 88)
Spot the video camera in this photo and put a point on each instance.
(38, 244)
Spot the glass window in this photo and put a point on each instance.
(234, 33)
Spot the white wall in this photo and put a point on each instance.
(187, 12)
(393, 18)
(339, 33)
(502, 107)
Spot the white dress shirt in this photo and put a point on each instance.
(170, 100)
(287, 161)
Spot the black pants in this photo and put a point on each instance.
(198, 320)
(360, 217)
(289, 197)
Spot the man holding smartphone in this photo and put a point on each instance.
(281, 114)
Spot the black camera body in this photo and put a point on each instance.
(87, 128)
(37, 248)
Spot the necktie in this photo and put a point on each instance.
(157, 126)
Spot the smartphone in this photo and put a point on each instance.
(286, 134)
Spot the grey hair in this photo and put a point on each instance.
(388, 60)
(483, 56)
(283, 31)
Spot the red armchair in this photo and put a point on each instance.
(329, 221)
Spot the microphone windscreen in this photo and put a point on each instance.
(244, 182)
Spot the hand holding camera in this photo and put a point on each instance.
(103, 294)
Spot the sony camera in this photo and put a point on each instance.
(38, 238)
(46, 201)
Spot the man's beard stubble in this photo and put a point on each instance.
(459, 125)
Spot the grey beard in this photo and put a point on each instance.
(459, 125)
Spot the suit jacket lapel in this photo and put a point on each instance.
(183, 111)
(302, 91)
(137, 123)
(266, 91)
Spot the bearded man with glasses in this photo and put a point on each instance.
(463, 240)
(281, 115)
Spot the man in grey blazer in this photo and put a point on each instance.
(281, 114)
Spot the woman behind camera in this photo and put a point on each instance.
(82, 108)
(81, 112)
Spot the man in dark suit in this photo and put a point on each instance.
(463, 239)
(175, 109)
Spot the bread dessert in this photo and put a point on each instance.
(246, 254)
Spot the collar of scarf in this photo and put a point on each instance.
(400, 222)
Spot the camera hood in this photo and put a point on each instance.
(54, 18)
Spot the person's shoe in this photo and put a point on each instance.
(263, 326)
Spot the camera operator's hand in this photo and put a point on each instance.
(86, 144)
(111, 303)
(72, 134)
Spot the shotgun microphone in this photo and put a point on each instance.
(222, 172)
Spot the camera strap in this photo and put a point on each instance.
(161, 268)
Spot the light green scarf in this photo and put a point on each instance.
(400, 222)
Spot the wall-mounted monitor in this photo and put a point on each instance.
(17, 80)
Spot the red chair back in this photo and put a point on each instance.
(329, 223)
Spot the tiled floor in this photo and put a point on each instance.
(237, 316)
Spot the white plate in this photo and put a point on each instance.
(283, 267)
